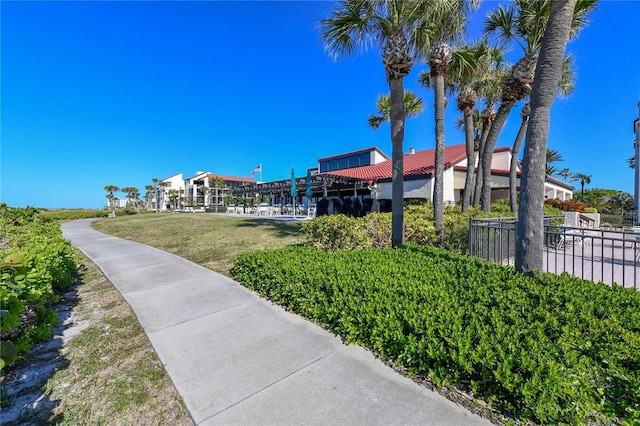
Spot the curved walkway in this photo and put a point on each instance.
(237, 359)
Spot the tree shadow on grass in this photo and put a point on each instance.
(282, 228)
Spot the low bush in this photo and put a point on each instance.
(64, 214)
(550, 349)
(339, 232)
(36, 264)
(567, 205)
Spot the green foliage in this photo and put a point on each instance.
(550, 349)
(36, 263)
(340, 232)
(63, 215)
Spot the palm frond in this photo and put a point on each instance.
(348, 28)
(567, 83)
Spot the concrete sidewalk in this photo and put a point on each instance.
(237, 359)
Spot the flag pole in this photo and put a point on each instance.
(260, 172)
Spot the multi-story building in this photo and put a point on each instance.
(204, 189)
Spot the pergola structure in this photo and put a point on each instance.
(321, 185)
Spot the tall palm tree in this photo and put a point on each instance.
(565, 173)
(490, 91)
(392, 26)
(450, 23)
(155, 193)
(552, 156)
(111, 189)
(565, 88)
(530, 229)
(523, 22)
(517, 144)
(132, 193)
(161, 189)
(584, 180)
(149, 196)
(216, 183)
(472, 66)
(413, 106)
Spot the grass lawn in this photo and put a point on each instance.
(210, 240)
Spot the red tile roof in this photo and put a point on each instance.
(233, 178)
(417, 164)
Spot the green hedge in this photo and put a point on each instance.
(64, 214)
(552, 349)
(36, 264)
(339, 232)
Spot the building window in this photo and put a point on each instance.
(324, 166)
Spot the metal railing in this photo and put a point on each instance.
(593, 254)
(618, 221)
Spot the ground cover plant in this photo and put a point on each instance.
(554, 349)
(36, 266)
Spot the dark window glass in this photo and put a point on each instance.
(324, 166)
(343, 163)
(333, 165)
(365, 159)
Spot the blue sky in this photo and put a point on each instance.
(99, 93)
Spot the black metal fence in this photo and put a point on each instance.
(594, 254)
(618, 221)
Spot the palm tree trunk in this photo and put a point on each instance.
(471, 159)
(530, 227)
(513, 169)
(396, 96)
(438, 187)
(487, 153)
(477, 192)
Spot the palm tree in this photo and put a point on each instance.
(517, 144)
(523, 22)
(111, 189)
(204, 190)
(132, 194)
(175, 197)
(413, 106)
(565, 173)
(471, 68)
(216, 183)
(490, 91)
(155, 193)
(530, 229)
(161, 189)
(584, 180)
(391, 25)
(552, 156)
(149, 195)
(450, 23)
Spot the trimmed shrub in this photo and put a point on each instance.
(550, 349)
